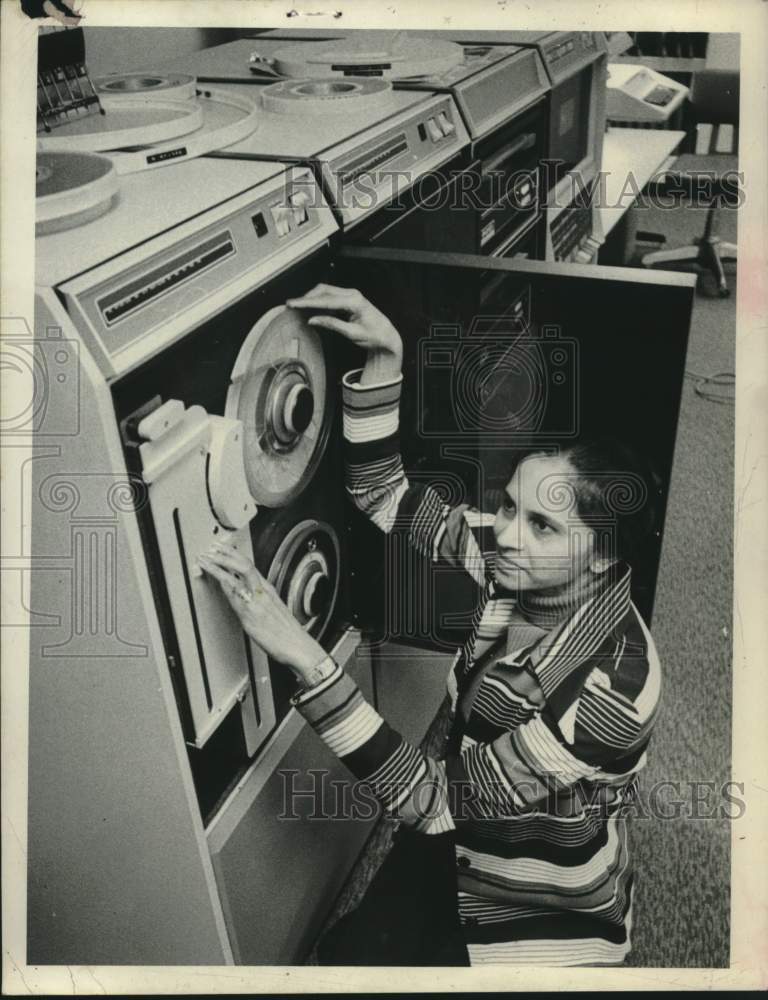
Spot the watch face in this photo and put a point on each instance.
(316, 676)
(321, 671)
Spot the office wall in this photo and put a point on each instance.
(723, 51)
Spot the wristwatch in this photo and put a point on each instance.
(318, 674)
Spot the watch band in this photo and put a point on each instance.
(318, 674)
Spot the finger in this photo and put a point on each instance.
(322, 302)
(61, 15)
(240, 561)
(215, 568)
(349, 296)
(220, 559)
(350, 330)
(222, 575)
(224, 561)
(337, 289)
(317, 289)
(317, 292)
(222, 543)
(233, 592)
(238, 564)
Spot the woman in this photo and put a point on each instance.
(554, 696)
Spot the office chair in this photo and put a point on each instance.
(714, 101)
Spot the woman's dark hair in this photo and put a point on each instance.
(615, 489)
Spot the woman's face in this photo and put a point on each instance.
(541, 541)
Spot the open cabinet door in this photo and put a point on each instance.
(501, 353)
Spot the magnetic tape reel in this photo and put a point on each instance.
(138, 132)
(302, 560)
(165, 86)
(126, 122)
(328, 96)
(72, 188)
(386, 55)
(279, 391)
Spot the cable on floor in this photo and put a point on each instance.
(727, 380)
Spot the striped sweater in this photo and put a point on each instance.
(550, 728)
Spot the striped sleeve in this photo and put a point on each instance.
(378, 486)
(514, 773)
(619, 703)
(408, 784)
(501, 779)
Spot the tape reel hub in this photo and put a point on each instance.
(133, 83)
(317, 594)
(327, 88)
(290, 406)
(305, 572)
(168, 86)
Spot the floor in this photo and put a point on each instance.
(682, 904)
(681, 914)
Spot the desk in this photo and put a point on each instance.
(639, 152)
(631, 157)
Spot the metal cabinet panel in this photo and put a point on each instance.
(410, 687)
(280, 856)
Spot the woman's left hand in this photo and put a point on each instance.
(262, 613)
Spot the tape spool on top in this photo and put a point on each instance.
(139, 133)
(279, 391)
(72, 188)
(328, 96)
(383, 55)
(165, 86)
(128, 122)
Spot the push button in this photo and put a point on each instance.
(446, 125)
(281, 220)
(434, 132)
(463, 862)
(299, 202)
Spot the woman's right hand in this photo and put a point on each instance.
(363, 324)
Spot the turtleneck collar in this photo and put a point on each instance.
(549, 608)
